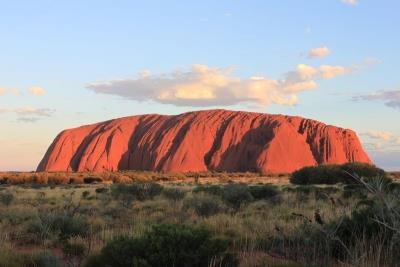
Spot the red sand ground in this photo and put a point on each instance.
(205, 140)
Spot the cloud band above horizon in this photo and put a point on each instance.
(202, 86)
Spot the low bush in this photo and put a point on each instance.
(137, 191)
(204, 205)
(45, 259)
(174, 194)
(332, 174)
(164, 245)
(267, 192)
(74, 249)
(6, 198)
(92, 180)
(101, 190)
(10, 258)
(237, 194)
(209, 189)
(62, 225)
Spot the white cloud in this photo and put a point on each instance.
(202, 85)
(318, 52)
(329, 72)
(208, 86)
(36, 91)
(390, 98)
(385, 136)
(381, 140)
(350, 2)
(12, 91)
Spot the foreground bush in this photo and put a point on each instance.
(10, 258)
(204, 205)
(332, 174)
(164, 245)
(127, 193)
(6, 198)
(174, 194)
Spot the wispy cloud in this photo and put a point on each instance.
(385, 136)
(381, 140)
(30, 111)
(390, 98)
(318, 52)
(36, 91)
(29, 114)
(350, 2)
(11, 91)
(28, 119)
(202, 85)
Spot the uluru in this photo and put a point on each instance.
(219, 140)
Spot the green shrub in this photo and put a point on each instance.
(332, 174)
(237, 194)
(163, 245)
(233, 194)
(101, 190)
(13, 259)
(92, 180)
(137, 191)
(85, 194)
(174, 194)
(74, 249)
(45, 259)
(204, 205)
(209, 189)
(6, 198)
(62, 225)
(363, 170)
(267, 192)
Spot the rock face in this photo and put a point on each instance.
(205, 140)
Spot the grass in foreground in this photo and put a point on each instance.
(176, 224)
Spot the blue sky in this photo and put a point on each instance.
(67, 63)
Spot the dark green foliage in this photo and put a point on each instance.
(92, 180)
(6, 198)
(210, 189)
(101, 190)
(204, 205)
(267, 192)
(15, 259)
(164, 245)
(354, 191)
(174, 194)
(85, 194)
(74, 249)
(45, 259)
(332, 174)
(365, 223)
(60, 224)
(237, 194)
(363, 170)
(137, 191)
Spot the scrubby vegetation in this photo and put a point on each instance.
(332, 174)
(228, 223)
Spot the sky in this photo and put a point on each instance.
(68, 63)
